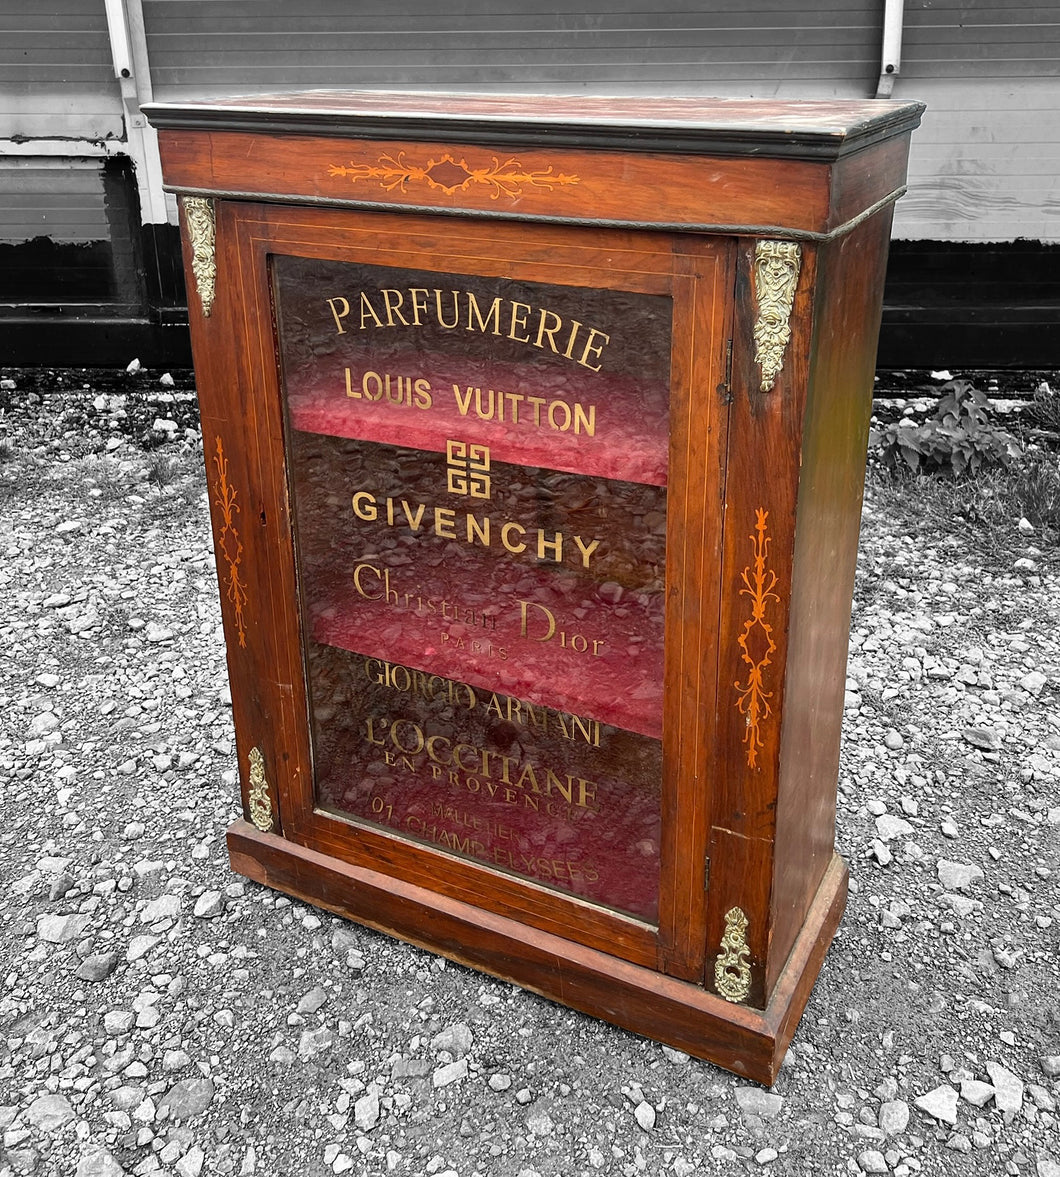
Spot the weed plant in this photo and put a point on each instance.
(959, 472)
(960, 437)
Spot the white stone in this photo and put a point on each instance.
(894, 1116)
(61, 929)
(209, 905)
(645, 1115)
(49, 1112)
(539, 1122)
(366, 1111)
(140, 946)
(98, 1162)
(452, 1073)
(976, 1092)
(754, 1101)
(1008, 1088)
(314, 1042)
(961, 905)
(456, 1039)
(41, 724)
(940, 1104)
(119, 1021)
(165, 907)
(889, 827)
(312, 1001)
(190, 1164)
(958, 876)
(881, 852)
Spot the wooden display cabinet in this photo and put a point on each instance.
(535, 432)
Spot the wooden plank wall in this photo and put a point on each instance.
(985, 164)
(56, 76)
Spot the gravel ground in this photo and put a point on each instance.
(162, 1016)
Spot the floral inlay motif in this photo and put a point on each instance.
(448, 174)
(756, 640)
(230, 546)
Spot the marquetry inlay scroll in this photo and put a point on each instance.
(229, 544)
(198, 213)
(445, 173)
(732, 969)
(258, 796)
(756, 639)
(776, 273)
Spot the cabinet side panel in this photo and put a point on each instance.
(839, 403)
(760, 495)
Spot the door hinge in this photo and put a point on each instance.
(706, 873)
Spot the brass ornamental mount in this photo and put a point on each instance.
(732, 969)
(776, 274)
(198, 212)
(258, 797)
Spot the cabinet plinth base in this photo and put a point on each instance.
(749, 1042)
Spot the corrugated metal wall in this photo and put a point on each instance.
(56, 83)
(730, 46)
(986, 161)
(58, 198)
(56, 80)
(984, 165)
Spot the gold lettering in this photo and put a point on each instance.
(337, 315)
(367, 308)
(364, 506)
(592, 349)
(552, 413)
(424, 400)
(494, 314)
(549, 332)
(583, 423)
(515, 549)
(414, 518)
(419, 304)
(524, 613)
(519, 321)
(393, 306)
(357, 581)
(432, 743)
(463, 403)
(586, 551)
(479, 532)
(456, 309)
(418, 740)
(372, 385)
(556, 545)
(575, 326)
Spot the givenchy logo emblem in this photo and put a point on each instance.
(468, 469)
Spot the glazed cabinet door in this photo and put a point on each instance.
(467, 481)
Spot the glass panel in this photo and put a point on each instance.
(478, 472)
